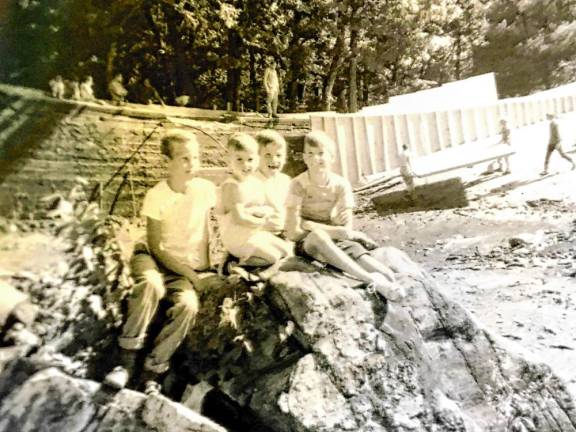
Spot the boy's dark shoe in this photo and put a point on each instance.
(150, 382)
(119, 377)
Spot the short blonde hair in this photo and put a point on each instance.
(269, 136)
(176, 137)
(320, 139)
(241, 141)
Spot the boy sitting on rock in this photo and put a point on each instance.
(166, 265)
(319, 219)
(272, 153)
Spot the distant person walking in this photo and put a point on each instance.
(272, 86)
(554, 143)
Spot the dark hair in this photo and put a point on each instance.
(176, 137)
(240, 141)
(269, 136)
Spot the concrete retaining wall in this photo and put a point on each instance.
(45, 144)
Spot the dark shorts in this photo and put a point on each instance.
(352, 248)
(299, 248)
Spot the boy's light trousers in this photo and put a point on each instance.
(151, 284)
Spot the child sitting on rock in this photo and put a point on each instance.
(166, 264)
(319, 219)
(247, 219)
(272, 153)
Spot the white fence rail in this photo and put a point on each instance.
(371, 144)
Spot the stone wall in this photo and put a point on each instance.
(45, 144)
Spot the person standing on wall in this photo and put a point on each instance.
(272, 87)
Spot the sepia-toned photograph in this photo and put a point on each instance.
(288, 215)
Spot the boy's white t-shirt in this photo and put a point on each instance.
(184, 219)
(277, 188)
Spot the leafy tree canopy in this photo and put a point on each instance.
(330, 53)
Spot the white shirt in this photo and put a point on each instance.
(184, 219)
(271, 81)
(277, 188)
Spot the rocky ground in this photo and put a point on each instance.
(509, 257)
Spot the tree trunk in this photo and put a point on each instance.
(293, 93)
(254, 82)
(327, 92)
(233, 88)
(353, 93)
(168, 70)
(110, 58)
(335, 65)
(184, 84)
(233, 73)
(458, 55)
(365, 88)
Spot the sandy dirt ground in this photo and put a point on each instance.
(508, 257)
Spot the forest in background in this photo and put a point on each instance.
(331, 54)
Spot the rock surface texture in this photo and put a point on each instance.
(423, 365)
(313, 352)
(52, 401)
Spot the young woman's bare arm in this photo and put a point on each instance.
(275, 222)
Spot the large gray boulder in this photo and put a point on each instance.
(314, 352)
(49, 400)
(422, 365)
